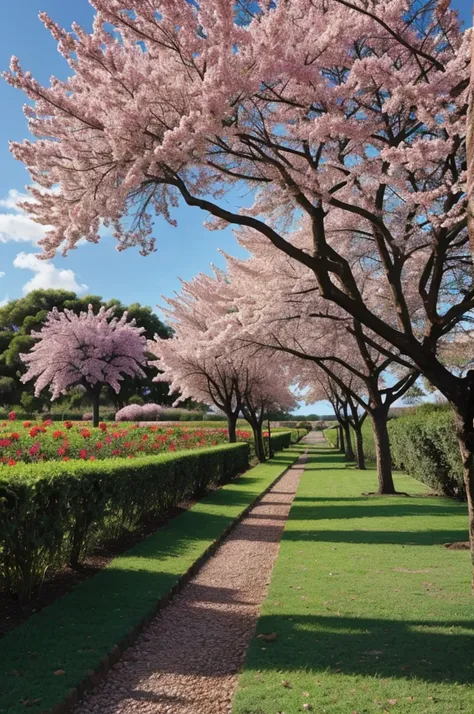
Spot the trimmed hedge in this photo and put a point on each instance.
(424, 444)
(52, 513)
(284, 439)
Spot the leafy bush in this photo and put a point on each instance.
(424, 444)
(52, 513)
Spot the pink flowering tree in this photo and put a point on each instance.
(327, 109)
(91, 350)
(204, 361)
(278, 309)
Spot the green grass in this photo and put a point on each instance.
(75, 632)
(372, 613)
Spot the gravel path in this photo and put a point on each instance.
(188, 659)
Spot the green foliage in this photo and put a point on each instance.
(50, 513)
(424, 444)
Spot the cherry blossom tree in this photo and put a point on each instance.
(349, 414)
(91, 350)
(278, 308)
(354, 118)
(203, 362)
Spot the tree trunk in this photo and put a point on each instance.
(231, 428)
(342, 445)
(259, 445)
(95, 408)
(382, 449)
(465, 431)
(359, 447)
(349, 452)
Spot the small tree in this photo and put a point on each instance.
(92, 350)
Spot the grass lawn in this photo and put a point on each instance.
(372, 613)
(42, 659)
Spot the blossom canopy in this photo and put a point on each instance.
(88, 349)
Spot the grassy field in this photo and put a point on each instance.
(372, 613)
(53, 650)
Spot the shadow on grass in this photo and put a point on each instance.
(360, 508)
(374, 537)
(426, 650)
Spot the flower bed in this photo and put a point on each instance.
(30, 442)
(36, 442)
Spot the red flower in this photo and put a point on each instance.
(33, 450)
(103, 426)
(12, 416)
(11, 462)
(85, 433)
(47, 422)
(68, 424)
(4, 443)
(15, 436)
(83, 454)
(66, 458)
(99, 445)
(92, 458)
(116, 452)
(26, 424)
(145, 437)
(34, 431)
(172, 447)
(61, 451)
(58, 434)
(19, 452)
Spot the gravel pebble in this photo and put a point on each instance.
(188, 658)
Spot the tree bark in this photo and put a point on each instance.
(465, 431)
(349, 451)
(258, 439)
(95, 408)
(359, 447)
(379, 418)
(231, 428)
(342, 444)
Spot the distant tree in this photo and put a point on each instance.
(414, 395)
(18, 318)
(91, 350)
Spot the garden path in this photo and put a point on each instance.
(187, 661)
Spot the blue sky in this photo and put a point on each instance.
(97, 269)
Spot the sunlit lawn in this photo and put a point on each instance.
(372, 613)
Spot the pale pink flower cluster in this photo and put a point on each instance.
(139, 412)
(89, 349)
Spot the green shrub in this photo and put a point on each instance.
(52, 513)
(424, 444)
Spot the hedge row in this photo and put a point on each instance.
(52, 513)
(424, 444)
(283, 439)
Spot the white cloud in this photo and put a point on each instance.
(4, 302)
(15, 224)
(2, 275)
(47, 275)
(14, 197)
